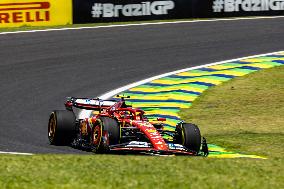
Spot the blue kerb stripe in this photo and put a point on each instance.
(207, 69)
(181, 77)
(274, 56)
(224, 75)
(279, 61)
(161, 92)
(189, 77)
(250, 68)
(170, 100)
(156, 84)
(202, 83)
(238, 62)
(163, 116)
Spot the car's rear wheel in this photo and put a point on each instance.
(61, 127)
(105, 132)
(188, 135)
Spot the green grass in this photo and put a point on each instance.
(244, 115)
(103, 171)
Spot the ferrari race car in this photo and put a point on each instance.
(114, 127)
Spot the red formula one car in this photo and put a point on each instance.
(114, 127)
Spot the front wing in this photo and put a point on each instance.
(135, 147)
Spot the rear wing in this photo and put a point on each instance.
(88, 103)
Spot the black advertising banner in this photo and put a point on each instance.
(94, 11)
(236, 8)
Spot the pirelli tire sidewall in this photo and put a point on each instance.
(61, 127)
(111, 126)
(188, 134)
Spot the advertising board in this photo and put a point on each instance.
(15, 13)
(236, 8)
(92, 11)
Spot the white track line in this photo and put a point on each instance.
(143, 24)
(124, 88)
(15, 153)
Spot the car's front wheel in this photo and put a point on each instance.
(188, 135)
(105, 132)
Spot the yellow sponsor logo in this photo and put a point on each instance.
(15, 13)
(151, 130)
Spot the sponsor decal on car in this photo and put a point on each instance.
(175, 146)
(147, 124)
(138, 144)
(151, 130)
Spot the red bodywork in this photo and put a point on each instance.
(127, 117)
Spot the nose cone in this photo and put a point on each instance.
(155, 138)
(162, 147)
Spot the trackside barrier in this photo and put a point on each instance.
(236, 8)
(87, 11)
(93, 11)
(15, 13)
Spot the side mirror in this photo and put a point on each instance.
(161, 119)
(68, 105)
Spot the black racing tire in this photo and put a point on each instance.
(61, 127)
(112, 128)
(188, 135)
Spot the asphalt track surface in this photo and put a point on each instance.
(38, 70)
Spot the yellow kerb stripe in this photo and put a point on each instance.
(171, 82)
(164, 104)
(170, 88)
(175, 97)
